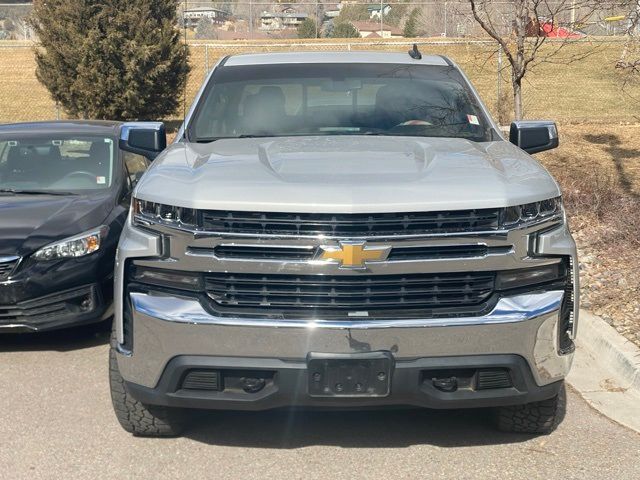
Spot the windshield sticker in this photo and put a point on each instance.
(101, 180)
(473, 120)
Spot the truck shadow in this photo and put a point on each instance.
(294, 429)
(64, 340)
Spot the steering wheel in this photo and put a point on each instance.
(80, 173)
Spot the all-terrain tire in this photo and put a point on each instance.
(536, 417)
(134, 416)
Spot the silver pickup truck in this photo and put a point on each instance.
(343, 230)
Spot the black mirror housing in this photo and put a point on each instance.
(143, 138)
(534, 136)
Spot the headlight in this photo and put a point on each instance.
(73, 247)
(531, 212)
(145, 212)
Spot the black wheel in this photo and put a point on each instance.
(135, 417)
(536, 417)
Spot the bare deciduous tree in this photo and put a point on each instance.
(629, 60)
(534, 23)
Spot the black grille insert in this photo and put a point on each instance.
(50, 307)
(358, 224)
(6, 268)
(202, 380)
(494, 378)
(326, 293)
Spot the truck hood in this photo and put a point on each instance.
(345, 174)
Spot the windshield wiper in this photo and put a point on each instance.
(17, 191)
(247, 135)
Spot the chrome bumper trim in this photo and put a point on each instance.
(166, 327)
(188, 310)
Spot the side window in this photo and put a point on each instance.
(135, 165)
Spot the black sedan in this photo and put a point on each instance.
(65, 190)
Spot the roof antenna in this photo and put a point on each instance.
(415, 53)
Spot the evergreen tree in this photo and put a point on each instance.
(307, 29)
(205, 29)
(345, 30)
(111, 59)
(411, 26)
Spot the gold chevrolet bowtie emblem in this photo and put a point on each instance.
(354, 254)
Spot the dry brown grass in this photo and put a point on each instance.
(598, 168)
(588, 90)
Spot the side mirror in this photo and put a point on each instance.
(144, 138)
(534, 136)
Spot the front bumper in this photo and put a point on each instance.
(163, 334)
(173, 334)
(50, 295)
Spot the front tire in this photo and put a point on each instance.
(134, 416)
(537, 417)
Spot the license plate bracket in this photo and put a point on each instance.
(350, 375)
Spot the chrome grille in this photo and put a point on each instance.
(322, 293)
(350, 225)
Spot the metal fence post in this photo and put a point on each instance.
(206, 59)
(499, 91)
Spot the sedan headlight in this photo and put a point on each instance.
(73, 247)
(522, 215)
(145, 212)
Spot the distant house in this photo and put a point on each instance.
(193, 15)
(375, 30)
(281, 20)
(332, 11)
(374, 10)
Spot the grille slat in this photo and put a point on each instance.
(274, 223)
(418, 291)
(6, 268)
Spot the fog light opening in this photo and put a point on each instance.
(252, 384)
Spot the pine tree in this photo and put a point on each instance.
(111, 59)
(307, 29)
(345, 30)
(411, 26)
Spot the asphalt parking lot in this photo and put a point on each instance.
(56, 422)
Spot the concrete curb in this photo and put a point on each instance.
(606, 371)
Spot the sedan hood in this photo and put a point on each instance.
(28, 222)
(345, 174)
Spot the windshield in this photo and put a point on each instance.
(56, 163)
(332, 99)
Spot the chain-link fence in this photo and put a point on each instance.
(579, 84)
(575, 83)
(261, 19)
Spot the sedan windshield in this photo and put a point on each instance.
(56, 164)
(338, 98)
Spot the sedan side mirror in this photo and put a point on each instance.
(144, 138)
(534, 136)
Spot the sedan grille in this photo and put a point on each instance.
(350, 225)
(6, 268)
(325, 294)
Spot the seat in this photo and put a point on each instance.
(264, 112)
(395, 106)
(23, 164)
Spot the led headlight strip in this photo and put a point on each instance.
(521, 215)
(160, 213)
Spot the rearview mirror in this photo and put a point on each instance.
(534, 136)
(144, 138)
